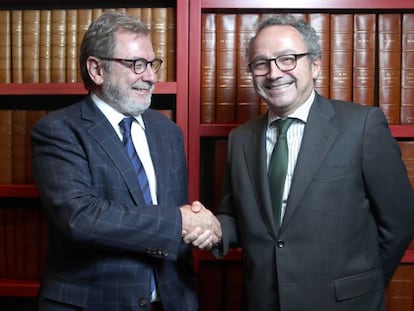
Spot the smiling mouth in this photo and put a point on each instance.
(280, 86)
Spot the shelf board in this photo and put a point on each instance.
(219, 130)
(307, 4)
(402, 131)
(19, 288)
(67, 88)
(18, 191)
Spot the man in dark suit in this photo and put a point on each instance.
(347, 207)
(112, 247)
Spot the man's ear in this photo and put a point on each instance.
(95, 70)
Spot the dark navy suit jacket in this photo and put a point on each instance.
(103, 241)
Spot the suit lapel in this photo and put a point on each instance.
(156, 143)
(255, 155)
(105, 136)
(318, 137)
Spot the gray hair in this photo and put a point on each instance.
(99, 39)
(307, 32)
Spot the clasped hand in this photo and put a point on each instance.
(200, 227)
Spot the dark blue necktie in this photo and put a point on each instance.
(125, 125)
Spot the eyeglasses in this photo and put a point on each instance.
(285, 63)
(138, 65)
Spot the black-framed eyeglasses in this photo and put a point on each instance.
(286, 62)
(138, 65)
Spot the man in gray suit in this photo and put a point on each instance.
(347, 211)
(111, 246)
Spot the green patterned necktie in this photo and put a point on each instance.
(278, 168)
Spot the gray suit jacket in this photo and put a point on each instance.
(103, 241)
(349, 215)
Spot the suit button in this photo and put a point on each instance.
(280, 244)
(159, 252)
(165, 253)
(143, 301)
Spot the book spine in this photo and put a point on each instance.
(45, 48)
(159, 39)
(407, 69)
(247, 102)
(226, 68)
(6, 147)
(5, 47)
(321, 23)
(72, 46)
(31, 45)
(208, 68)
(10, 243)
(58, 47)
(17, 46)
(389, 65)
(364, 59)
(341, 56)
(84, 20)
(171, 44)
(18, 146)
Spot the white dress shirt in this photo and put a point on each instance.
(138, 138)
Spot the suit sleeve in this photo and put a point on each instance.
(86, 198)
(389, 190)
(226, 214)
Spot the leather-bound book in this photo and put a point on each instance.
(171, 44)
(407, 154)
(226, 68)
(247, 100)
(364, 58)
(159, 39)
(18, 146)
(17, 45)
(85, 18)
(31, 45)
(58, 47)
(45, 49)
(321, 23)
(6, 146)
(5, 46)
(341, 56)
(389, 65)
(32, 116)
(407, 69)
(208, 68)
(32, 236)
(72, 46)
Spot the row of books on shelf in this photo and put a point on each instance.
(23, 242)
(367, 58)
(42, 46)
(15, 149)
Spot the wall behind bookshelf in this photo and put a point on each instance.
(26, 89)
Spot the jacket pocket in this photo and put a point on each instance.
(358, 285)
(67, 293)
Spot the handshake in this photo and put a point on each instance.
(200, 227)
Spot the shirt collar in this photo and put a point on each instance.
(113, 116)
(301, 113)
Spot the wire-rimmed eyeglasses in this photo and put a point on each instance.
(138, 65)
(286, 62)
